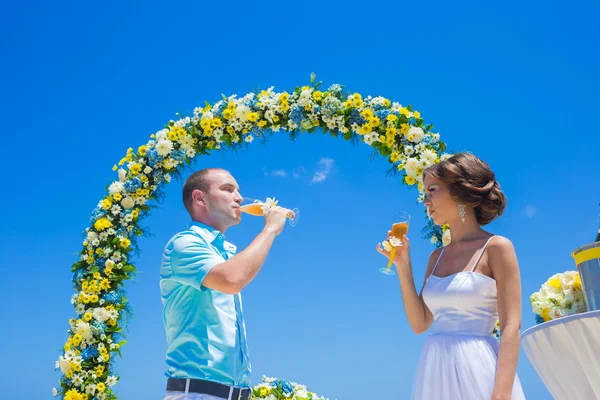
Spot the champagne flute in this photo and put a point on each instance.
(399, 229)
(257, 208)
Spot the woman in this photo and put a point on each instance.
(468, 285)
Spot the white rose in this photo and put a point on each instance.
(122, 174)
(162, 134)
(109, 263)
(411, 166)
(415, 134)
(446, 239)
(127, 203)
(116, 187)
(91, 236)
(64, 365)
(555, 313)
(84, 330)
(100, 314)
(147, 170)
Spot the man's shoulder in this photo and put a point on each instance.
(185, 238)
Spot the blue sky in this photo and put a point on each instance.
(515, 83)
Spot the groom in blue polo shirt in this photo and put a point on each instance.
(201, 277)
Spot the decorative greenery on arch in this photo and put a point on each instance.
(96, 334)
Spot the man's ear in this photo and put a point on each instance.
(198, 196)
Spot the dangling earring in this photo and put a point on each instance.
(461, 212)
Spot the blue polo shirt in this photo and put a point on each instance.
(206, 334)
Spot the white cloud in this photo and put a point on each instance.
(299, 172)
(324, 167)
(279, 172)
(529, 211)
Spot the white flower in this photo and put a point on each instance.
(100, 314)
(445, 156)
(164, 147)
(54, 392)
(122, 175)
(91, 236)
(111, 381)
(90, 389)
(409, 150)
(446, 238)
(249, 138)
(63, 364)
(411, 166)
(434, 239)
(84, 330)
(435, 137)
(95, 242)
(116, 187)
(415, 134)
(77, 380)
(101, 396)
(162, 134)
(115, 209)
(429, 155)
(392, 242)
(127, 203)
(555, 313)
(370, 138)
(80, 309)
(114, 314)
(147, 170)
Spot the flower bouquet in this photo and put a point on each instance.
(277, 389)
(559, 296)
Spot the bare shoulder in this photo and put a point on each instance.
(435, 254)
(500, 244)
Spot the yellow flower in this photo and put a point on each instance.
(206, 108)
(230, 130)
(395, 156)
(390, 132)
(400, 167)
(577, 281)
(262, 123)
(87, 317)
(356, 103)
(284, 97)
(73, 395)
(105, 284)
(387, 103)
(125, 243)
(142, 150)
(205, 124)
(252, 117)
(102, 224)
(108, 271)
(285, 107)
(216, 123)
(307, 107)
(135, 213)
(99, 370)
(106, 204)
(144, 178)
(93, 298)
(263, 391)
(97, 275)
(404, 128)
(445, 227)
(420, 187)
(417, 114)
(367, 114)
(114, 168)
(275, 118)
(228, 113)
(410, 180)
(546, 314)
(419, 171)
(391, 118)
(404, 111)
(99, 251)
(77, 339)
(117, 196)
(111, 322)
(318, 96)
(374, 122)
(244, 131)
(365, 129)
(75, 367)
(100, 387)
(135, 168)
(555, 282)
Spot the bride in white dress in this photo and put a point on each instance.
(469, 284)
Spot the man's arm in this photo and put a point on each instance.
(234, 274)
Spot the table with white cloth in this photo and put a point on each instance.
(565, 353)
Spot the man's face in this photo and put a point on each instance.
(223, 199)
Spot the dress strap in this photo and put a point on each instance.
(481, 253)
(438, 260)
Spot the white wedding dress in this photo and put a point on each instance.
(458, 360)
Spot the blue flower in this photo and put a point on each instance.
(153, 157)
(98, 327)
(89, 352)
(284, 385)
(382, 114)
(112, 297)
(97, 214)
(78, 276)
(356, 118)
(335, 88)
(178, 155)
(133, 184)
(296, 115)
(539, 319)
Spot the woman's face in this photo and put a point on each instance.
(440, 205)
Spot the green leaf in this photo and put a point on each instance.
(128, 268)
(313, 76)
(93, 269)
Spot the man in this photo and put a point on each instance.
(200, 284)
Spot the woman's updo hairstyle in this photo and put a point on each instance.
(471, 183)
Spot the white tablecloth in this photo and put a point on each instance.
(566, 355)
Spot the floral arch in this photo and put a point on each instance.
(396, 132)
